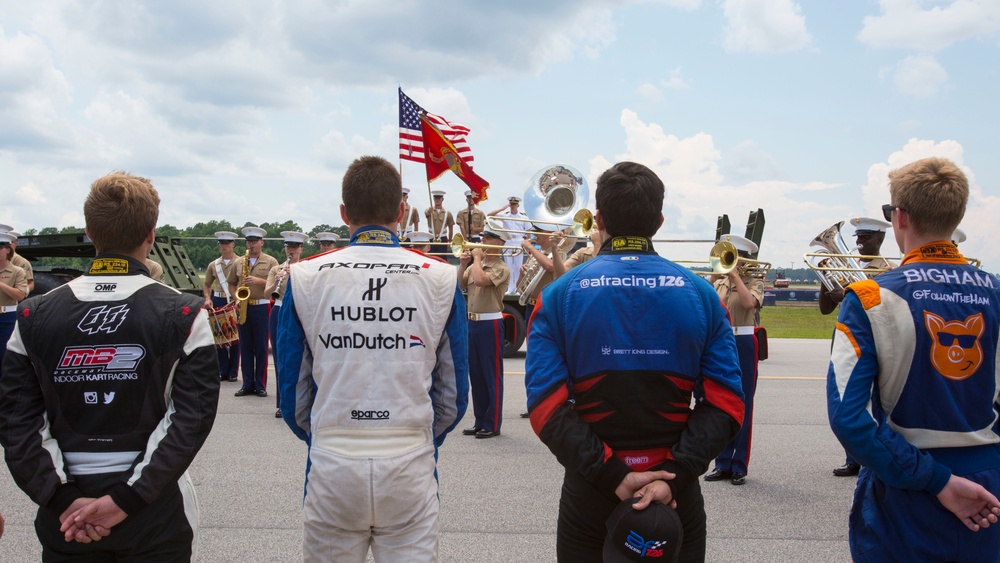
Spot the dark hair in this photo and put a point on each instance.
(371, 191)
(630, 199)
(120, 211)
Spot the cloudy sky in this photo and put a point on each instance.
(251, 110)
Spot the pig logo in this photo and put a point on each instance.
(955, 349)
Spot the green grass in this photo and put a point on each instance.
(797, 321)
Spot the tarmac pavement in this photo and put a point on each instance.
(499, 497)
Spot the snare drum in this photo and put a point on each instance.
(223, 323)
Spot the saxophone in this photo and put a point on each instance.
(243, 292)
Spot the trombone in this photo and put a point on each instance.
(724, 257)
(507, 250)
(459, 245)
(583, 223)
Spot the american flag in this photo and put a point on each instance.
(411, 139)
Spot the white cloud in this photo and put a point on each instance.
(911, 24)
(764, 26)
(34, 95)
(653, 92)
(697, 192)
(920, 76)
(980, 214)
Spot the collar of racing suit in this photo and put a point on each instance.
(941, 251)
(628, 245)
(110, 264)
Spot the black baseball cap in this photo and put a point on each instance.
(651, 534)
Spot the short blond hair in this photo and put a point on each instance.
(120, 211)
(933, 192)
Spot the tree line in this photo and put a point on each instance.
(200, 243)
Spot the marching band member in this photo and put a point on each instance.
(155, 270)
(869, 234)
(411, 219)
(552, 254)
(13, 288)
(581, 255)
(327, 241)
(217, 294)
(514, 220)
(420, 236)
(439, 220)
(471, 220)
(485, 276)
(277, 281)
(18, 260)
(742, 295)
(253, 333)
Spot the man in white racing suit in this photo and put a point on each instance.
(373, 364)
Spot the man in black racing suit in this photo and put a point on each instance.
(110, 388)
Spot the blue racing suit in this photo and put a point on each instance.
(617, 349)
(912, 393)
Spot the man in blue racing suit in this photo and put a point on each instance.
(913, 385)
(617, 349)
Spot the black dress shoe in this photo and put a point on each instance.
(261, 393)
(471, 431)
(277, 413)
(847, 470)
(524, 415)
(233, 378)
(487, 433)
(738, 479)
(243, 393)
(718, 475)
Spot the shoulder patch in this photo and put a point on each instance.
(867, 292)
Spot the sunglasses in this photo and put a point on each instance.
(964, 340)
(887, 210)
(254, 239)
(293, 244)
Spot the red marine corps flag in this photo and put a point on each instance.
(443, 156)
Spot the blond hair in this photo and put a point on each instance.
(933, 192)
(120, 211)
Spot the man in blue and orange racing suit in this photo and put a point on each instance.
(617, 348)
(913, 385)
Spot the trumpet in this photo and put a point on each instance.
(459, 245)
(724, 257)
(583, 223)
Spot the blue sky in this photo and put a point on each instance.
(251, 110)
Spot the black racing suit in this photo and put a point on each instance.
(110, 387)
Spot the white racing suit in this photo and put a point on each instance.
(373, 358)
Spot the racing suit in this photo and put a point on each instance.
(912, 394)
(373, 371)
(617, 348)
(110, 387)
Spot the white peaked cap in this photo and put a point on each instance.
(292, 236)
(254, 232)
(419, 236)
(869, 224)
(741, 243)
(958, 237)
